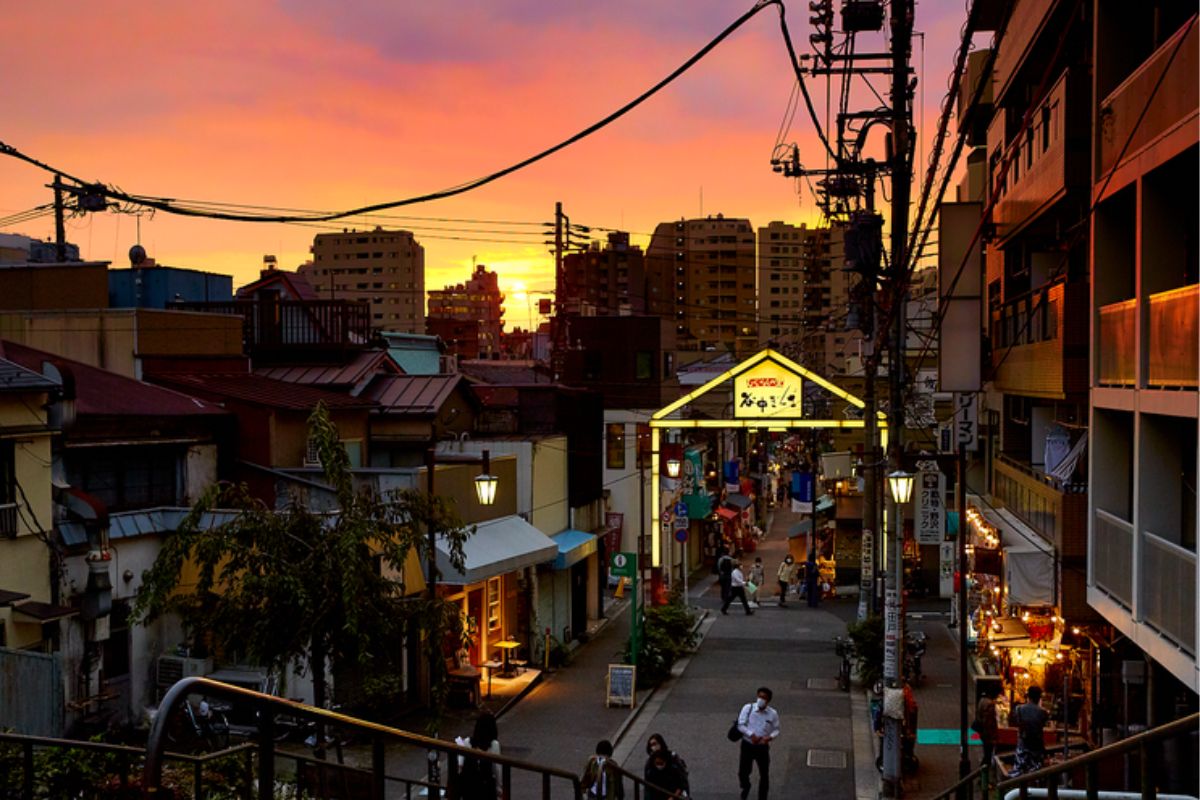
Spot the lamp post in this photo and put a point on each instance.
(485, 482)
(900, 483)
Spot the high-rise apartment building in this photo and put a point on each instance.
(385, 268)
(795, 300)
(479, 300)
(605, 281)
(701, 274)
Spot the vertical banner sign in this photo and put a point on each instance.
(931, 504)
(802, 492)
(966, 420)
(866, 583)
(946, 569)
(695, 495)
(732, 475)
(891, 627)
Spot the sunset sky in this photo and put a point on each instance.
(320, 105)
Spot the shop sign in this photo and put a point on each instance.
(614, 521)
(623, 565)
(946, 569)
(767, 390)
(891, 627)
(931, 504)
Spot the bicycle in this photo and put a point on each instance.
(203, 727)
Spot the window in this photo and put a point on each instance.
(614, 446)
(493, 604)
(644, 365)
(128, 477)
(8, 486)
(116, 648)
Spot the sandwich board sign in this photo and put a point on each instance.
(621, 685)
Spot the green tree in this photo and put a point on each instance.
(293, 585)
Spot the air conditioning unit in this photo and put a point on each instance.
(172, 669)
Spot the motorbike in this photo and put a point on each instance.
(915, 643)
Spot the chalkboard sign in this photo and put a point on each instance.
(622, 680)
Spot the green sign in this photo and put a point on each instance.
(623, 565)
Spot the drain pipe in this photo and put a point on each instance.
(1081, 794)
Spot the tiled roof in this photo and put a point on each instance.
(412, 394)
(257, 390)
(298, 286)
(15, 378)
(506, 372)
(103, 393)
(354, 375)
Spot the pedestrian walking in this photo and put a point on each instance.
(665, 770)
(602, 775)
(737, 590)
(479, 779)
(759, 726)
(986, 724)
(1030, 719)
(724, 571)
(812, 581)
(755, 580)
(785, 575)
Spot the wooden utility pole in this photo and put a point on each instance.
(60, 230)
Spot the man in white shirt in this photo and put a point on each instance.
(737, 588)
(759, 724)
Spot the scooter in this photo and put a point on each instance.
(914, 648)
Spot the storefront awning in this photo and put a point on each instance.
(36, 612)
(825, 503)
(573, 546)
(1028, 575)
(727, 513)
(497, 546)
(737, 500)
(801, 528)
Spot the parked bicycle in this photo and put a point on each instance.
(199, 727)
(844, 647)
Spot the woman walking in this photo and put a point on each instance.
(665, 770)
(785, 575)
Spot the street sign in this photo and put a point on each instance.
(966, 420)
(681, 509)
(931, 504)
(623, 565)
(681, 535)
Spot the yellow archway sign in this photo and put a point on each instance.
(767, 392)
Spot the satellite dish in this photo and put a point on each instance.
(137, 255)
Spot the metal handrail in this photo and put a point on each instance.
(965, 782)
(269, 707)
(639, 784)
(1142, 742)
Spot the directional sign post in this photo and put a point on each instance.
(624, 565)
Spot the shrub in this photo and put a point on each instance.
(667, 634)
(867, 636)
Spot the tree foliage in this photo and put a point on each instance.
(293, 585)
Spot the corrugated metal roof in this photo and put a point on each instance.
(354, 375)
(107, 394)
(261, 391)
(131, 524)
(418, 395)
(15, 378)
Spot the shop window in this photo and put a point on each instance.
(614, 446)
(493, 604)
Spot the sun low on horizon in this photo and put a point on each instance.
(303, 106)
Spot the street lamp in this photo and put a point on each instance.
(900, 484)
(485, 482)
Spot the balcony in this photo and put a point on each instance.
(8, 520)
(1117, 357)
(1175, 102)
(1055, 509)
(1112, 555)
(300, 327)
(1174, 338)
(1046, 160)
(1039, 341)
(1024, 25)
(1168, 589)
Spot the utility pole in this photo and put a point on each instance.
(901, 30)
(60, 230)
(435, 648)
(558, 344)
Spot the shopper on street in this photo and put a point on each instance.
(759, 726)
(986, 724)
(724, 571)
(478, 779)
(665, 770)
(756, 578)
(1030, 719)
(812, 581)
(602, 776)
(786, 574)
(737, 589)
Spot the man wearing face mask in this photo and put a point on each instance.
(759, 724)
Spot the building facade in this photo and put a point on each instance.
(479, 300)
(605, 281)
(384, 267)
(796, 269)
(701, 274)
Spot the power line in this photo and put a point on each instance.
(169, 205)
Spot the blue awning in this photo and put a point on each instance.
(738, 501)
(825, 503)
(573, 547)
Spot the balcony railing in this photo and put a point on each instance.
(1055, 509)
(272, 325)
(1124, 114)
(1117, 359)
(8, 520)
(1168, 597)
(1112, 555)
(1174, 340)
(1039, 340)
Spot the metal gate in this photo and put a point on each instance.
(31, 693)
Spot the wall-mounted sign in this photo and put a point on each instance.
(767, 390)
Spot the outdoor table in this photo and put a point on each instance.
(491, 666)
(506, 647)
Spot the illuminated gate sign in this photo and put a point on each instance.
(766, 390)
